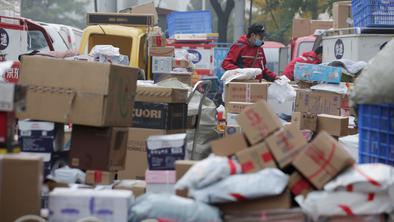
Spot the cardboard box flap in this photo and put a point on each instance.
(160, 94)
(39, 71)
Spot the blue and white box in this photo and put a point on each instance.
(317, 73)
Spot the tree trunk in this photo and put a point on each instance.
(223, 17)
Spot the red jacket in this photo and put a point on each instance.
(241, 55)
(307, 57)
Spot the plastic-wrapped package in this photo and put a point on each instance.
(107, 50)
(281, 90)
(267, 182)
(166, 207)
(375, 84)
(208, 171)
(68, 175)
(240, 74)
(343, 203)
(364, 178)
(340, 88)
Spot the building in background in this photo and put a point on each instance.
(10, 8)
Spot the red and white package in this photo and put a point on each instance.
(208, 171)
(343, 203)
(267, 182)
(364, 178)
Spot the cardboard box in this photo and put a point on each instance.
(298, 185)
(286, 144)
(256, 158)
(136, 157)
(229, 145)
(138, 187)
(184, 77)
(321, 24)
(322, 160)
(94, 148)
(352, 131)
(341, 12)
(304, 121)
(161, 64)
(96, 177)
(157, 40)
(20, 186)
(230, 130)
(246, 91)
(160, 115)
(164, 150)
(317, 73)
(86, 93)
(167, 51)
(182, 166)
(305, 27)
(236, 107)
(156, 94)
(282, 201)
(333, 125)
(64, 202)
(181, 63)
(318, 102)
(258, 121)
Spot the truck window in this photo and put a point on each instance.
(36, 41)
(304, 47)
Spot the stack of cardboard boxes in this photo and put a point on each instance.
(163, 61)
(239, 95)
(97, 98)
(157, 111)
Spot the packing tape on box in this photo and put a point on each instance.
(314, 153)
(248, 93)
(98, 176)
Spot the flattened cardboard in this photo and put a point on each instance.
(20, 186)
(96, 177)
(256, 158)
(160, 115)
(182, 166)
(79, 92)
(168, 51)
(258, 121)
(155, 94)
(236, 107)
(298, 185)
(333, 125)
(286, 144)
(282, 201)
(304, 121)
(229, 145)
(94, 148)
(246, 91)
(136, 161)
(322, 160)
(318, 102)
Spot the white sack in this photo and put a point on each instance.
(281, 90)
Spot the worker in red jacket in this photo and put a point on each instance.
(312, 57)
(248, 53)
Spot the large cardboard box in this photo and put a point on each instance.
(305, 27)
(286, 144)
(156, 94)
(229, 145)
(246, 91)
(87, 203)
(94, 148)
(322, 160)
(182, 166)
(341, 12)
(282, 201)
(160, 115)
(167, 51)
(184, 77)
(318, 102)
(236, 107)
(20, 186)
(96, 177)
(256, 158)
(298, 185)
(304, 121)
(333, 125)
(258, 121)
(85, 93)
(136, 157)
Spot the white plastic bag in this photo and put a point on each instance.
(68, 175)
(172, 208)
(342, 203)
(240, 74)
(208, 171)
(107, 50)
(364, 178)
(268, 182)
(281, 90)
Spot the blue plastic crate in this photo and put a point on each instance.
(376, 138)
(373, 13)
(189, 22)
